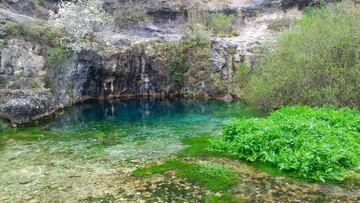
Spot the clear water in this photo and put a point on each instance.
(37, 162)
(128, 129)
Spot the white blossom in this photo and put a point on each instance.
(81, 19)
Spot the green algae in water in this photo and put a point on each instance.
(208, 175)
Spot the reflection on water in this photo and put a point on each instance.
(147, 111)
(124, 129)
(144, 119)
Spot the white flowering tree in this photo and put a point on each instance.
(81, 19)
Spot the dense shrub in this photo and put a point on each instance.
(315, 63)
(316, 143)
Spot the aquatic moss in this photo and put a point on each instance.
(25, 134)
(199, 147)
(210, 176)
(315, 143)
(168, 165)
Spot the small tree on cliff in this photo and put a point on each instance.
(81, 19)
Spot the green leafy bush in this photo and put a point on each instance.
(315, 143)
(316, 62)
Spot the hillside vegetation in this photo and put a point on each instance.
(316, 62)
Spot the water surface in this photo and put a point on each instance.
(89, 141)
(125, 129)
(88, 153)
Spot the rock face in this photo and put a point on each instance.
(22, 75)
(131, 64)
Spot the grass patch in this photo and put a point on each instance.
(209, 176)
(221, 24)
(314, 143)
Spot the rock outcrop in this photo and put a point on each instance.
(130, 64)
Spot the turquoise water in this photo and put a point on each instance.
(127, 129)
(91, 149)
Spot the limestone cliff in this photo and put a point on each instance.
(133, 61)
